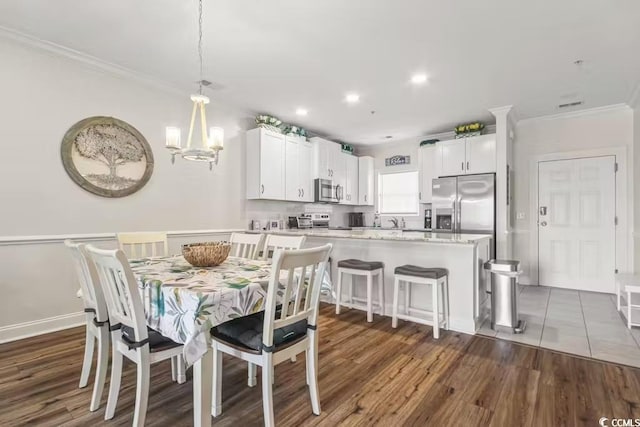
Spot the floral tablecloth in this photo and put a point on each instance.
(183, 302)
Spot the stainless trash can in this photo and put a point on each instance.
(504, 295)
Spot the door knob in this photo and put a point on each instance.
(543, 223)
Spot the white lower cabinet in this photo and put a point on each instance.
(298, 167)
(365, 181)
(265, 165)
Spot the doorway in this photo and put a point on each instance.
(577, 223)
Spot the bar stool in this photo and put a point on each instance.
(414, 275)
(368, 269)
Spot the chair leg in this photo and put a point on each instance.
(436, 311)
(251, 373)
(142, 387)
(396, 291)
(174, 369)
(629, 310)
(101, 370)
(114, 385)
(381, 291)
(369, 298)
(445, 309)
(312, 372)
(88, 357)
(181, 370)
(267, 389)
(339, 292)
(216, 400)
(407, 297)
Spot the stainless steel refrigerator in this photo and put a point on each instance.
(465, 204)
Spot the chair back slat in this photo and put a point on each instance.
(245, 245)
(294, 263)
(120, 290)
(136, 244)
(300, 289)
(274, 242)
(87, 274)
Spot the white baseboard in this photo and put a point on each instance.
(42, 326)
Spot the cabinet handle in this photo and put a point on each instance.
(365, 197)
(302, 192)
(462, 166)
(467, 165)
(262, 189)
(299, 195)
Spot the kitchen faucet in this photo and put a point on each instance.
(394, 221)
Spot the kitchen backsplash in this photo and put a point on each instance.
(264, 210)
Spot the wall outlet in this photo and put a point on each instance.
(521, 215)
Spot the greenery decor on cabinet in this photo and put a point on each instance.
(106, 156)
(269, 122)
(295, 130)
(469, 129)
(347, 148)
(428, 142)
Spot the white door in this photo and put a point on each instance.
(481, 154)
(292, 178)
(272, 166)
(428, 171)
(365, 180)
(576, 223)
(453, 157)
(305, 173)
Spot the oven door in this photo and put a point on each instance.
(325, 191)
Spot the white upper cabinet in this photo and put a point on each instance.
(429, 164)
(327, 159)
(365, 180)
(265, 165)
(476, 154)
(298, 165)
(481, 154)
(350, 179)
(453, 155)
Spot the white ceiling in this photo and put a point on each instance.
(278, 55)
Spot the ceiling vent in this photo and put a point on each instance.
(571, 104)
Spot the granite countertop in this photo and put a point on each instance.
(385, 234)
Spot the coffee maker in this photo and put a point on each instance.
(427, 217)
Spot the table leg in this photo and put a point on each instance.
(202, 378)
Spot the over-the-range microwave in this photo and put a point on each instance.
(327, 192)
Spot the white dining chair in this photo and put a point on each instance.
(130, 336)
(245, 245)
(280, 332)
(135, 244)
(274, 242)
(97, 321)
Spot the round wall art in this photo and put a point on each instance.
(107, 156)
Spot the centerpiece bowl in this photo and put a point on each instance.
(207, 254)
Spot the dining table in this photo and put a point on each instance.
(184, 302)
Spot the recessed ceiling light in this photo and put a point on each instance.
(388, 137)
(418, 79)
(352, 98)
(302, 112)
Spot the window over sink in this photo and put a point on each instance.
(398, 193)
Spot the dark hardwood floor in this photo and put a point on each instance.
(370, 374)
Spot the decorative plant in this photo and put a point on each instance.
(468, 128)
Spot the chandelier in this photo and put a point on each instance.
(210, 146)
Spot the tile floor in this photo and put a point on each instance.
(577, 322)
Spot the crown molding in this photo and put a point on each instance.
(88, 60)
(579, 113)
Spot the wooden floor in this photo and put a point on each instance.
(370, 374)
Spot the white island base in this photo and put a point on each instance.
(463, 255)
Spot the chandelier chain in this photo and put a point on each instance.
(200, 42)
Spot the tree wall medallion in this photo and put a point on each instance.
(107, 156)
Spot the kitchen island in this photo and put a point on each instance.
(461, 254)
